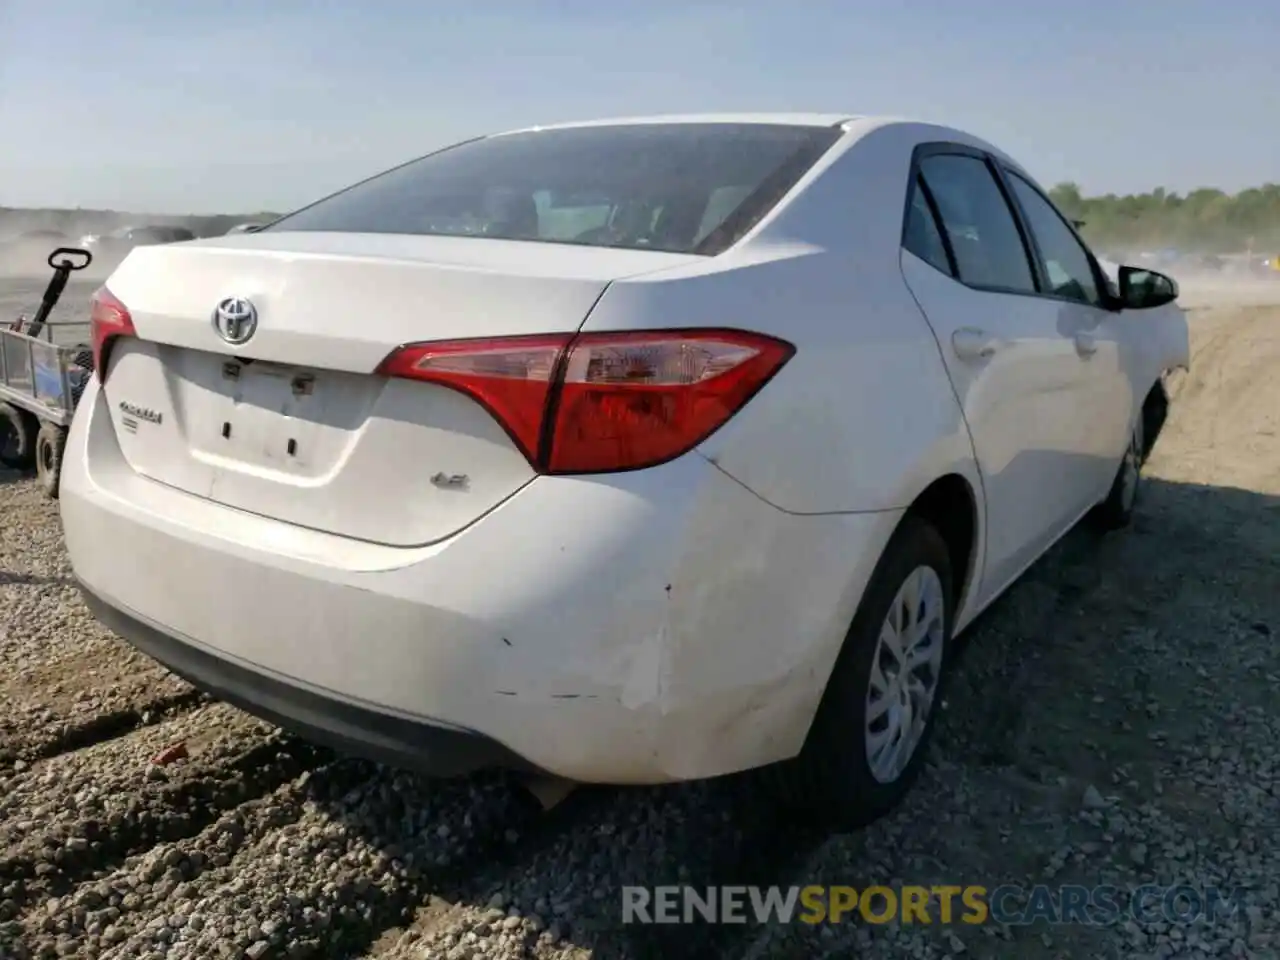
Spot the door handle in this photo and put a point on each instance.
(1086, 345)
(971, 343)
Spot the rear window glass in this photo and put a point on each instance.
(683, 188)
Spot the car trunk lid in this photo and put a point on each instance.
(293, 423)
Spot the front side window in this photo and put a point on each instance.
(1066, 263)
(676, 187)
(984, 236)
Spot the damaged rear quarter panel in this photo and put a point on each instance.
(757, 609)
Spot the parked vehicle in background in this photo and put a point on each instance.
(116, 244)
(244, 228)
(52, 237)
(630, 452)
(28, 250)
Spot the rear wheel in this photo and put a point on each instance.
(868, 739)
(51, 441)
(17, 437)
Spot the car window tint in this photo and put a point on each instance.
(679, 187)
(564, 221)
(922, 235)
(984, 236)
(1065, 261)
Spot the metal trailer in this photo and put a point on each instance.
(41, 381)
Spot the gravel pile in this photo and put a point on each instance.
(1112, 721)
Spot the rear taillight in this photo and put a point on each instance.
(602, 402)
(108, 319)
(511, 378)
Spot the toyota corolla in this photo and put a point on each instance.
(627, 452)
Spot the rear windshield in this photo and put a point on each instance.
(681, 187)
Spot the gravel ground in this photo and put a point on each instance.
(1113, 721)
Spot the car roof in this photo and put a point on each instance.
(852, 124)
(779, 119)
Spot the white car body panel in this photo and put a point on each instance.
(835, 375)
(669, 623)
(475, 633)
(1160, 339)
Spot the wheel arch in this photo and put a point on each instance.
(1154, 413)
(950, 504)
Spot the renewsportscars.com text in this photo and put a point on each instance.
(945, 904)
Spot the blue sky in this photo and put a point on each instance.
(232, 105)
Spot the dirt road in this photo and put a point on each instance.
(1115, 720)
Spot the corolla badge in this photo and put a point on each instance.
(140, 413)
(235, 319)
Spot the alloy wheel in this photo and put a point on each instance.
(905, 670)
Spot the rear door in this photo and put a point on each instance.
(1015, 370)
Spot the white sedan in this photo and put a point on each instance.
(626, 452)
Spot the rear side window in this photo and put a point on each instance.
(680, 187)
(980, 227)
(922, 235)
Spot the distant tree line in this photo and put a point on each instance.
(1202, 221)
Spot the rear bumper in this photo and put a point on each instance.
(645, 627)
(433, 749)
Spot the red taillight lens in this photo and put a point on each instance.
(635, 400)
(510, 377)
(109, 319)
(602, 402)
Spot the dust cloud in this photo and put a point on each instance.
(27, 237)
(24, 258)
(1208, 288)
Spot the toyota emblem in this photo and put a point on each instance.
(236, 319)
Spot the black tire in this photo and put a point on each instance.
(1116, 511)
(51, 441)
(17, 437)
(83, 359)
(77, 391)
(831, 779)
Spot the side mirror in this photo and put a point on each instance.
(1142, 289)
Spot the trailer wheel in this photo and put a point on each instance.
(51, 441)
(17, 437)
